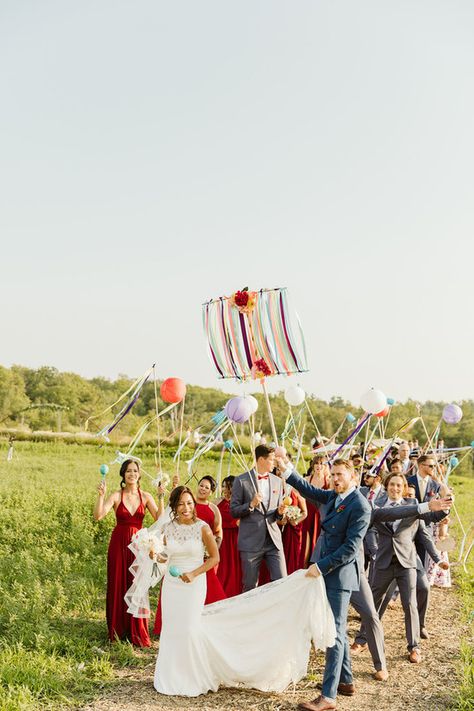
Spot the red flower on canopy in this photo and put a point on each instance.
(261, 368)
(241, 298)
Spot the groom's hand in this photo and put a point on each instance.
(313, 571)
(257, 499)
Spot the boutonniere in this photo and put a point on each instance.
(431, 493)
(340, 508)
(274, 491)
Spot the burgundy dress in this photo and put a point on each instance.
(214, 591)
(229, 571)
(311, 528)
(121, 624)
(293, 541)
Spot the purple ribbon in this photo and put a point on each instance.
(349, 437)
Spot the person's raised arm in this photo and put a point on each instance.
(103, 505)
(306, 489)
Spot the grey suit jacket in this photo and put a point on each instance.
(400, 543)
(255, 524)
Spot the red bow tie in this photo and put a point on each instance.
(262, 476)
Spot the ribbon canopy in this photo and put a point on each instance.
(249, 335)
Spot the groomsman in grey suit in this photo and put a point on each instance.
(396, 557)
(257, 500)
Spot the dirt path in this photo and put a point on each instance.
(431, 685)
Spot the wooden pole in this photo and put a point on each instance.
(270, 414)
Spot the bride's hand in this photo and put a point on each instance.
(187, 577)
(313, 572)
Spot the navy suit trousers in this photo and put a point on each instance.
(338, 659)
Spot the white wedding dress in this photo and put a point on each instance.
(260, 639)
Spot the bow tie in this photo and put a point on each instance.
(262, 476)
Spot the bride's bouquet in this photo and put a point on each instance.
(293, 513)
(146, 571)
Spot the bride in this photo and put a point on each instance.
(260, 639)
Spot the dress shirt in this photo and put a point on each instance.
(422, 485)
(264, 489)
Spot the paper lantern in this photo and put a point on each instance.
(294, 395)
(453, 462)
(173, 390)
(228, 443)
(350, 418)
(452, 414)
(238, 409)
(174, 571)
(104, 470)
(390, 401)
(253, 401)
(280, 451)
(383, 413)
(373, 401)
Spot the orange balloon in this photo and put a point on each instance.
(173, 390)
(383, 413)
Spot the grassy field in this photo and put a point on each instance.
(53, 640)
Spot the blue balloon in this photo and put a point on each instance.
(390, 401)
(454, 461)
(228, 443)
(174, 571)
(472, 443)
(350, 417)
(104, 469)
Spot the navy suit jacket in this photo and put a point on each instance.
(337, 551)
(432, 488)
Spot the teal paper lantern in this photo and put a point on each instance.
(104, 470)
(174, 571)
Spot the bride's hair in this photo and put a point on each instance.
(175, 497)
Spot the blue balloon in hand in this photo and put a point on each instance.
(104, 469)
(174, 571)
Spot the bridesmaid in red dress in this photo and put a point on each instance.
(317, 475)
(229, 571)
(209, 513)
(292, 535)
(130, 506)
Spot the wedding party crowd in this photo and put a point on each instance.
(345, 534)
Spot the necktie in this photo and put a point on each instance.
(338, 501)
(422, 486)
(390, 524)
(371, 495)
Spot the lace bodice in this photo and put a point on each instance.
(184, 544)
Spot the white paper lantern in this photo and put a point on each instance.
(294, 395)
(373, 401)
(253, 401)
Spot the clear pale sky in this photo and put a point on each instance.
(157, 154)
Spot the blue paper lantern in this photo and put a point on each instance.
(228, 443)
(174, 571)
(390, 401)
(350, 417)
(453, 462)
(104, 469)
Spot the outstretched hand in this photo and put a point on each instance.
(441, 504)
(313, 571)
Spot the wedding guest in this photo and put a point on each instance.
(229, 571)
(292, 536)
(257, 500)
(404, 456)
(318, 475)
(426, 488)
(130, 505)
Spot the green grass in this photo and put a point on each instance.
(464, 488)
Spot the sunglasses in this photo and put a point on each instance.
(431, 466)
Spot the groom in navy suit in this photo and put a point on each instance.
(345, 518)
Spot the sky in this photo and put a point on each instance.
(154, 155)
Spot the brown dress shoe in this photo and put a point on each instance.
(381, 675)
(346, 689)
(357, 648)
(415, 656)
(319, 704)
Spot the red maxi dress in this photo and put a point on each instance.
(214, 591)
(229, 571)
(292, 541)
(121, 624)
(311, 528)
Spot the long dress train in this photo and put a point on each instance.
(260, 639)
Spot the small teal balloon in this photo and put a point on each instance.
(350, 417)
(228, 443)
(472, 444)
(454, 461)
(174, 571)
(390, 401)
(104, 470)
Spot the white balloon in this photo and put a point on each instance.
(373, 401)
(253, 401)
(294, 395)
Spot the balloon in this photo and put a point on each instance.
(174, 571)
(294, 395)
(104, 469)
(373, 401)
(254, 402)
(238, 409)
(390, 401)
(453, 462)
(350, 417)
(383, 413)
(452, 414)
(280, 451)
(472, 443)
(228, 443)
(173, 390)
